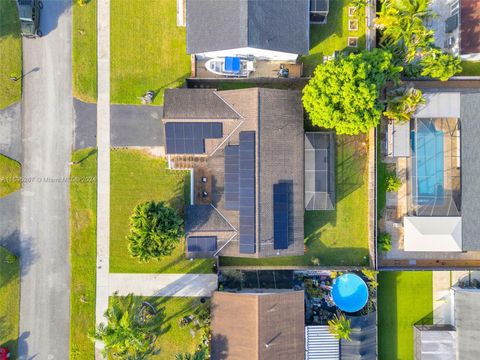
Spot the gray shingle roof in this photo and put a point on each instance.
(198, 104)
(467, 318)
(470, 135)
(280, 25)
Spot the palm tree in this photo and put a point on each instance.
(155, 230)
(340, 327)
(199, 355)
(402, 104)
(402, 23)
(439, 65)
(131, 329)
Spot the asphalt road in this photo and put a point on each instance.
(47, 115)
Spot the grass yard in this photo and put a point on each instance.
(325, 39)
(470, 68)
(148, 50)
(83, 217)
(138, 177)
(84, 51)
(382, 173)
(404, 299)
(9, 301)
(10, 53)
(10, 173)
(338, 237)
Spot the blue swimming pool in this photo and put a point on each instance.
(350, 293)
(428, 163)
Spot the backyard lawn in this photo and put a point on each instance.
(325, 39)
(83, 216)
(148, 50)
(10, 53)
(9, 301)
(84, 51)
(470, 68)
(404, 299)
(338, 237)
(10, 172)
(137, 177)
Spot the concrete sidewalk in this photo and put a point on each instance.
(163, 284)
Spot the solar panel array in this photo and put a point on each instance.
(202, 244)
(281, 204)
(319, 171)
(247, 191)
(189, 138)
(231, 182)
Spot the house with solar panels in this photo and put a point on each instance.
(245, 151)
(274, 30)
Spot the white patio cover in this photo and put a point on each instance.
(426, 233)
(440, 105)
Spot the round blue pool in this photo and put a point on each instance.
(350, 293)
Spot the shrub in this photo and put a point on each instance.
(385, 242)
(155, 231)
(340, 327)
(402, 103)
(393, 183)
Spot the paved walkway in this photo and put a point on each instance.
(103, 167)
(163, 284)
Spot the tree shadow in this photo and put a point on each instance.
(23, 248)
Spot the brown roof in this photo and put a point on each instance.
(470, 27)
(258, 326)
(277, 118)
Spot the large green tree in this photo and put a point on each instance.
(155, 230)
(131, 328)
(344, 93)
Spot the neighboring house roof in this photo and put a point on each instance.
(276, 119)
(470, 27)
(470, 168)
(435, 342)
(267, 326)
(428, 233)
(280, 25)
(467, 318)
(198, 104)
(320, 344)
(363, 338)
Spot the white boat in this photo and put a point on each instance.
(230, 66)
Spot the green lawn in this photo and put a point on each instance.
(325, 39)
(470, 68)
(10, 53)
(338, 237)
(83, 199)
(9, 301)
(382, 173)
(148, 50)
(137, 177)
(84, 51)
(10, 173)
(404, 299)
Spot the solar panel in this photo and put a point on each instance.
(281, 204)
(247, 191)
(189, 138)
(231, 177)
(201, 244)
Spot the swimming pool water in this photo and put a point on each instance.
(427, 148)
(350, 293)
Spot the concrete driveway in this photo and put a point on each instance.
(132, 125)
(47, 115)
